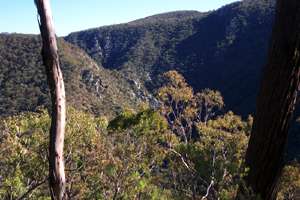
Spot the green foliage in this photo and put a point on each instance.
(134, 156)
(215, 156)
(210, 156)
(290, 182)
(182, 108)
(175, 88)
(224, 140)
(181, 151)
(128, 156)
(209, 102)
(144, 122)
(93, 156)
(23, 153)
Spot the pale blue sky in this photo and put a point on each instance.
(74, 15)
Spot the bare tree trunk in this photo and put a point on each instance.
(275, 105)
(56, 84)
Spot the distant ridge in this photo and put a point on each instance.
(223, 49)
(119, 66)
(168, 17)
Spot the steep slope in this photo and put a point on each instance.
(224, 49)
(135, 48)
(23, 85)
(228, 51)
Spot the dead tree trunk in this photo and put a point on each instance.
(275, 105)
(57, 90)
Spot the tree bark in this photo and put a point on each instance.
(275, 105)
(57, 90)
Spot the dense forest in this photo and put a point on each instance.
(157, 108)
(142, 154)
(23, 85)
(209, 49)
(123, 63)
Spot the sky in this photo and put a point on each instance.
(20, 16)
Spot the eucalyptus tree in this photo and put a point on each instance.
(57, 90)
(275, 105)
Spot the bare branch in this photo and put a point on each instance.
(32, 188)
(182, 159)
(208, 190)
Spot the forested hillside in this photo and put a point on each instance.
(224, 49)
(23, 85)
(159, 108)
(161, 154)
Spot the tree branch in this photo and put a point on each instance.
(32, 188)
